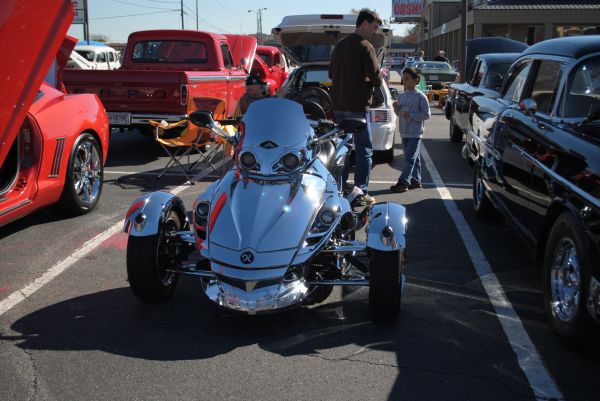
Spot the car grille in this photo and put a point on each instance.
(380, 116)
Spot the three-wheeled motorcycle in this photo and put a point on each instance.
(276, 231)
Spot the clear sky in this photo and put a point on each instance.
(118, 18)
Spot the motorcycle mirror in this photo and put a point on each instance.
(352, 124)
(202, 119)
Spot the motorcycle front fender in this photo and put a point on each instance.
(147, 212)
(386, 229)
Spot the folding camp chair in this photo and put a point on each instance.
(192, 143)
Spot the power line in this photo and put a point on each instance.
(140, 5)
(192, 13)
(135, 15)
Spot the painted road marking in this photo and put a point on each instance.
(22, 294)
(531, 363)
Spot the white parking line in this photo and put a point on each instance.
(531, 363)
(22, 294)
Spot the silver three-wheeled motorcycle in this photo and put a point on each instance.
(276, 231)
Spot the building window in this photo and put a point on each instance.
(561, 31)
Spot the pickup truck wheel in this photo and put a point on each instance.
(481, 204)
(385, 283)
(147, 262)
(456, 134)
(566, 279)
(84, 176)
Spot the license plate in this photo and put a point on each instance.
(119, 118)
(433, 77)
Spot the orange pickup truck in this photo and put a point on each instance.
(167, 74)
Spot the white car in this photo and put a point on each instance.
(308, 41)
(101, 57)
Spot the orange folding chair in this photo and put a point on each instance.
(192, 143)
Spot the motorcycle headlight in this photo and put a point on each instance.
(290, 161)
(202, 209)
(247, 160)
(327, 217)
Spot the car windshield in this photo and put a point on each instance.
(433, 66)
(495, 75)
(170, 51)
(88, 54)
(583, 89)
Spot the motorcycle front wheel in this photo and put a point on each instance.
(148, 260)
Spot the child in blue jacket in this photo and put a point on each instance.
(412, 108)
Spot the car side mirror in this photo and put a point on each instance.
(394, 93)
(202, 119)
(528, 106)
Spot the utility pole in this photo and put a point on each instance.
(197, 15)
(182, 27)
(463, 40)
(86, 23)
(258, 23)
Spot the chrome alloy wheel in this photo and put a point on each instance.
(565, 281)
(87, 173)
(479, 189)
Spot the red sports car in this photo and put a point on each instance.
(53, 146)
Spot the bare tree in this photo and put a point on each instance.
(99, 37)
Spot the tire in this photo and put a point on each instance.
(385, 284)
(84, 176)
(482, 205)
(320, 294)
(566, 251)
(147, 262)
(456, 134)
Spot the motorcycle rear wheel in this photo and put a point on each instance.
(147, 262)
(385, 283)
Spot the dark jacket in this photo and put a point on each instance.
(440, 58)
(354, 72)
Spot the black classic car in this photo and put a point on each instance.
(485, 75)
(540, 168)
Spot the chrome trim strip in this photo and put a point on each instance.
(586, 196)
(143, 118)
(14, 207)
(205, 78)
(339, 282)
(484, 143)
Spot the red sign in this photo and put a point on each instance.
(407, 10)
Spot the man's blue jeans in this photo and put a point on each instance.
(363, 150)
(411, 170)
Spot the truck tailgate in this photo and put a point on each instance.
(131, 90)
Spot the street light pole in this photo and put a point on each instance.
(463, 40)
(258, 23)
(197, 15)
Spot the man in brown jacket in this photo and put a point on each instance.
(354, 72)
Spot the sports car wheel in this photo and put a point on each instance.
(456, 134)
(84, 177)
(148, 260)
(481, 204)
(385, 283)
(566, 279)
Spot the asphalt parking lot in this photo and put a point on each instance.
(472, 325)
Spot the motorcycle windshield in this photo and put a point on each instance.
(268, 217)
(279, 122)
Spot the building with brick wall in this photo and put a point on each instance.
(528, 21)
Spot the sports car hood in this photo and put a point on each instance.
(32, 31)
(242, 47)
(310, 39)
(266, 217)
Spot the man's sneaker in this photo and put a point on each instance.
(399, 187)
(415, 184)
(364, 200)
(354, 194)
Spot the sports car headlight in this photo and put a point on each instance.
(247, 160)
(290, 161)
